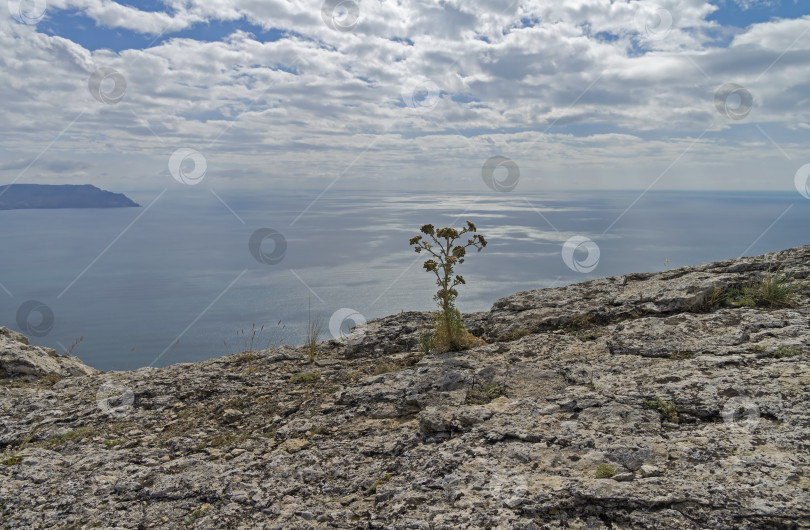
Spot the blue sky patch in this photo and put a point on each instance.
(83, 30)
(731, 13)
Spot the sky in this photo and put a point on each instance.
(447, 95)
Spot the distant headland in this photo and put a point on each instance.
(43, 196)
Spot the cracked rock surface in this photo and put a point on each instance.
(640, 401)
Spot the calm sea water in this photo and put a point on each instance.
(175, 280)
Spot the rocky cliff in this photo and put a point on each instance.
(669, 400)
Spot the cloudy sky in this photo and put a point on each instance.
(416, 94)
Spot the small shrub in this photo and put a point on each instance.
(667, 408)
(776, 290)
(786, 351)
(446, 254)
(605, 471)
(484, 393)
(451, 335)
(305, 378)
(427, 342)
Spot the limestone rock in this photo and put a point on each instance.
(699, 409)
(19, 359)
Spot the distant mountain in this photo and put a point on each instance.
(40, 196)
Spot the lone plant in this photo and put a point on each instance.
(447, 253)
(313, 334)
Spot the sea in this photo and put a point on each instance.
(192, 273)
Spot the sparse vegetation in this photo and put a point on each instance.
(68, 352)
(451, 335)
(200, 512)
(70, 436)
(786, 351)
(379, 482)
(605, 471)
(588, 335)
(484, 393)
(313, 333)
(427, 341)
(12, 460)
(109, 444)
(304, 378)
(774, 290)
(50, 380)
(259, 338)
(228, 439)
(668, 409)
(384, 367)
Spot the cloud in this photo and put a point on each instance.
(586, 92)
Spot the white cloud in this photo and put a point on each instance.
(578, 93)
